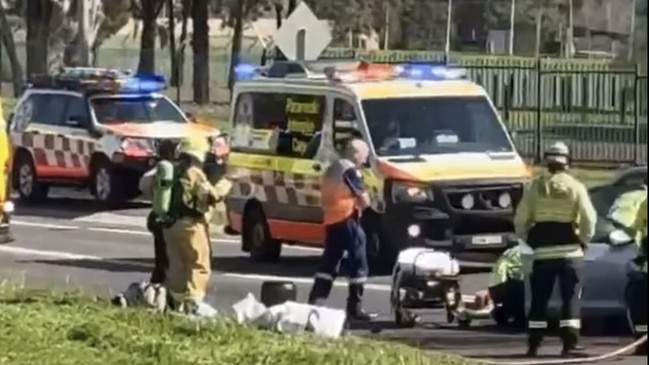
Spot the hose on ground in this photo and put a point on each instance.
(582, 360)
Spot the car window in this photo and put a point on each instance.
(345, 123)
(285, 124)
(77, 110)
(633, 179)
(47, 109)
(136, 109)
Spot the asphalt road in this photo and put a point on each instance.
(69, 243)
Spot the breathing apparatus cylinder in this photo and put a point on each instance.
(163, 185)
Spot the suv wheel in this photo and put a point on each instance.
(105, 183)
(29, 189)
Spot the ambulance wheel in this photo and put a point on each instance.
(256, 237)
(105, 184)
(500, 316)
(464, 323)
(26, 181)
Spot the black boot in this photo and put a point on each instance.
(533, 344)
(320, 291)
(641, 350)
(355, 309)
(570, 339)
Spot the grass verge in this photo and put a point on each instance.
(68, 328)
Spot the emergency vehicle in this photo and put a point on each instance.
(93, 128)
(443, 171)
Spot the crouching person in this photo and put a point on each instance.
(187, 235)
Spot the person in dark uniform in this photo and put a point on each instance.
(343, 199)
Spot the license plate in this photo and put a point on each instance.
(486, 240)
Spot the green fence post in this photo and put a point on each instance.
(537, 135)
(636, 114)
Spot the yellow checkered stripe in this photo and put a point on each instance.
(275, 187)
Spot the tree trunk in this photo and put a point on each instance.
(10, 48)
(235, 51)
(173, 52)
(150, 11)
(200, 48)
(38, 13)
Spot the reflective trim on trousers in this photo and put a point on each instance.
(537, 325)
(570, 323)
(558, 252)
(360, 280)
(641, 328)
(324, 276)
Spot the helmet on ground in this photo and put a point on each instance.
(195, 146)
(558, 152)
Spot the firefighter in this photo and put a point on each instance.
(187, 234)
(637, 285)
(557, 220)
(158, 218)
(344, 198)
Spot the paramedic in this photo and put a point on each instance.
(637, 285)
(187, 235)
(343, 199)
(557, 220)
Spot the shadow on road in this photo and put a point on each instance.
(297, 266)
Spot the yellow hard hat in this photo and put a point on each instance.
(196, 146)
(558, 152)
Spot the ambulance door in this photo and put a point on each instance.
(346, 125)
(299, 171)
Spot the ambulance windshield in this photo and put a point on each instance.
(434, 125)
(135, 109)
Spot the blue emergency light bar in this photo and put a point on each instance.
(142, 84)
(245, 71)
(431, 72)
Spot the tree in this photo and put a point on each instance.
(10, 48)
(117, 13)
(89, 17)
(200, 48)
(147, 11)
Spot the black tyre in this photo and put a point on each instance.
(256, 237)
(106, 185)
(26, 182)
(382, 254)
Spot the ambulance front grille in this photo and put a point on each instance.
(488, 198)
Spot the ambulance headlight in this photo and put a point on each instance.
(402, 192)
(137, 145)
(8, 207)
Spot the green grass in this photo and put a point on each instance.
(43, 327)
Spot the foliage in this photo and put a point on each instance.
(69, 328)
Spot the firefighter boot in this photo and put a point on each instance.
(570, 339)
(355, 309)
(533, 344)
(320, 291)
(641, 350)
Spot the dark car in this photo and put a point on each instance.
(608, 257)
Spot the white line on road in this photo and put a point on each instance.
(77, 257)
(137, 232)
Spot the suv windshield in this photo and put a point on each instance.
(434, 125)
(139, 109)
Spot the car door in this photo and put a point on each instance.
(36, 127)
(77, 144)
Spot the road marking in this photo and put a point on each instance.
(44, 225)
(253, 277)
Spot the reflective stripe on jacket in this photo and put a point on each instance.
(559, 207)
(338, 202)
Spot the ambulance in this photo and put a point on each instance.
(93, 128)
(443, 171)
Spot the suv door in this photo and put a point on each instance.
(77, 142)
(36, 127)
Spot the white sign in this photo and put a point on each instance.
(302, 35)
